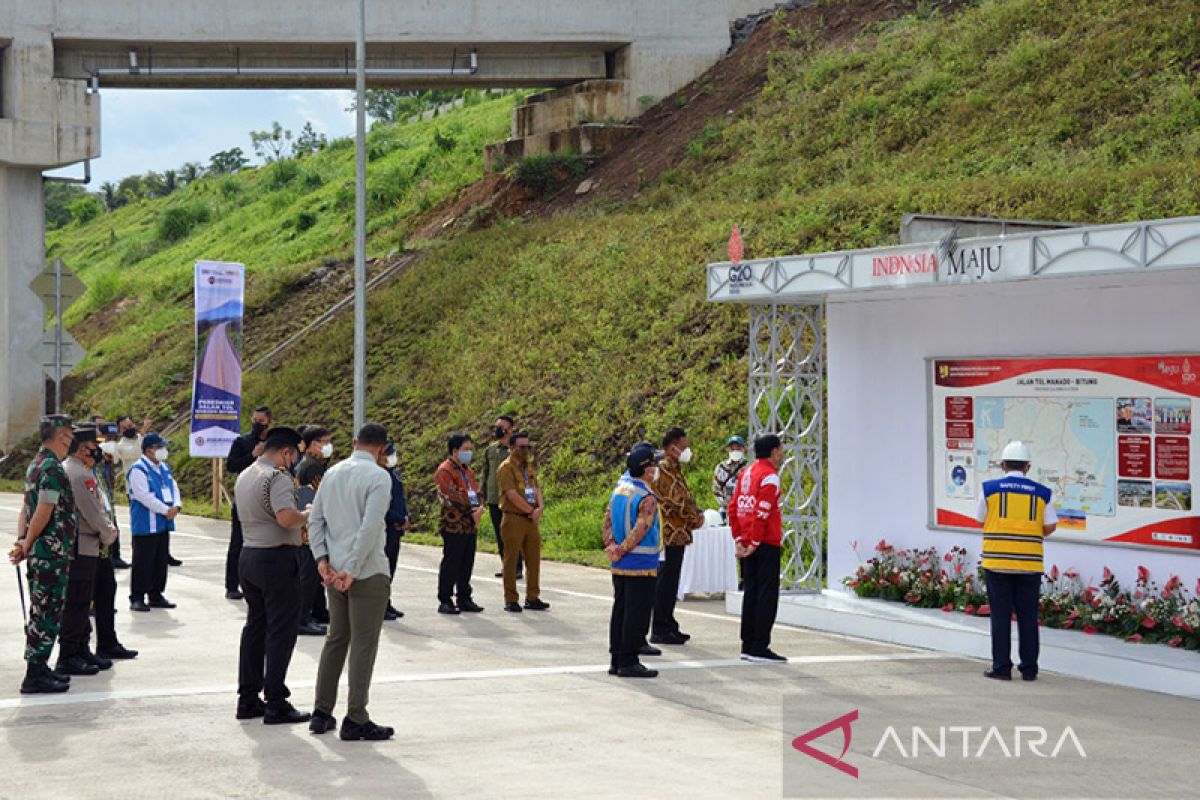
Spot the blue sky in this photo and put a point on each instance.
(158, 129)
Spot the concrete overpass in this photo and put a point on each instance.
(54, 54)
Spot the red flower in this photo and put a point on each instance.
(1143, 574)
(970, 609)
(1108, 576)
(854, 544)
(1089, 629)
(1069, 623)
(948, 607)
(984, 610)
(1054, 572)
(1137, 637)
(1175, 641)
(951, 558)
(1198, 587)
(1148, 623)
(1074, 614)
(1072, 574)
(853, 584)
(1172, 584)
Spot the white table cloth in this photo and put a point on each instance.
(709, 564)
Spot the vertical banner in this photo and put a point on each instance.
(217, 380)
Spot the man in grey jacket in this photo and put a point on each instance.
(346, 533)
(74, 655)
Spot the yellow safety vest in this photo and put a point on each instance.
(1013, 530)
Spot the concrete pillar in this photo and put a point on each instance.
(22, 316)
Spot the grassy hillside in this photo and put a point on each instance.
(590, 323)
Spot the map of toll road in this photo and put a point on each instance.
(1072, 442)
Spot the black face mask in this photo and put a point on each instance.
(501, 434)
(129, 433)
(257, 428)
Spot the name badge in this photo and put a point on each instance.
(531, 496)
(473, 497)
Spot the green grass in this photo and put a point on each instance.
(592, 326)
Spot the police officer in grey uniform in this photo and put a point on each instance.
(269, 570)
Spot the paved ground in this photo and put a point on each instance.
(503, 705)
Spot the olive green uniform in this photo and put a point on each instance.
(49, 560)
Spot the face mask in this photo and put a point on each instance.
(95, 455)
(465, 456)
(326, 450)
(129, 433)
(736, 455)
(685, 456)
(108, 448)
(257, 428)
(500, 433)
(391, 461)
(161, 454)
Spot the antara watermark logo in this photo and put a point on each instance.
(963, 742)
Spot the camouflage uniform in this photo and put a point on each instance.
(50, 558)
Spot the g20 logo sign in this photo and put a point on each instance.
(740, 275)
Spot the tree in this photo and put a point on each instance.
(227, 162)
(153, 185)
(170, 182)
(129, 190)
(86, 209)
(273, 144)
(59, 198)
(394, 105)
(309, 141)
(108, 190)
(191, 171)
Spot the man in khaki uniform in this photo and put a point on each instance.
(521, 504)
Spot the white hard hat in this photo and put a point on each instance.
(1016, 451)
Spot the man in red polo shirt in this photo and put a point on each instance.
(758, 534)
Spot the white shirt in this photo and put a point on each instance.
(347, 520)
(1049, 517)
(139, 488)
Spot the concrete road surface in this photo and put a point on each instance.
(520, 705)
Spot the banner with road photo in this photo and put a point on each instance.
(1110, 435)
(217, 379)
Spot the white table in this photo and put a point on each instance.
(709, 564)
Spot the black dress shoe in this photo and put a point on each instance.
(1029, 676)
(310, 628)
(446, 608)
(118, 652)
(391, 614)
(75, 665)
(160, 602)
(251, 709)
(321, 722)
(613, 669)
(40, 680)
(997, 676)
(637, 671)
(99, 660)
(537, 605)
(139, 605)
(682, 635)
(500, 574)
(366, 732)
(234, 594)
(667, 638)
(647, 650)
(513, 607)
(174, 562)
(120, 563)
(281, 712)
(470, 607)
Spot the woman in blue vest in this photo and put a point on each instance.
(154, 502)
(633, 543)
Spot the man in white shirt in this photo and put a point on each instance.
(346, 534)
(154, 502)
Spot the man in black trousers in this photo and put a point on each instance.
(270, 574)
(242, 453)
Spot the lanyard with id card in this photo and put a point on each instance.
(530, 492)
(472, 495)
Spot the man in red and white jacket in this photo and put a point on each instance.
(758, 536)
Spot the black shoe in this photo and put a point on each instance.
(997, 676)
(117, 652)
(40, 680)
(500, 574)
(667, 638)
(99, 660)
(160, 602)
(139, 605)
(1029, 676)
(234, 594)
(368, 731)
(764, 656)
(647, 650)
(612, 670)
(637, 671)
(513, 607)
(61, 677)
(174, 562)
(75, 665)
(281, 712)
(391, 614)
(520, 575)
(320, 722)
(446, 608)
(251, 709)
(310, 628)
(470, 607)
(537, 605)
(682, 635)
(120, 563)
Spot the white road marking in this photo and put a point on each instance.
(70, 698)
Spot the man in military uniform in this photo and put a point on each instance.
(46, 540)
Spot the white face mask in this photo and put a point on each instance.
(685, 456)
(109, 448)
(161, 454)
(327, 450)
(391, 460)
(736, 455)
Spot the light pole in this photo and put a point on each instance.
(360, 222)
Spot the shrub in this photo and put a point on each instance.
(544, 173)
(178, 222)
(85, 209)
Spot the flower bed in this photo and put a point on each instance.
(926, 579)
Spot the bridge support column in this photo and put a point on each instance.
(22, 257)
